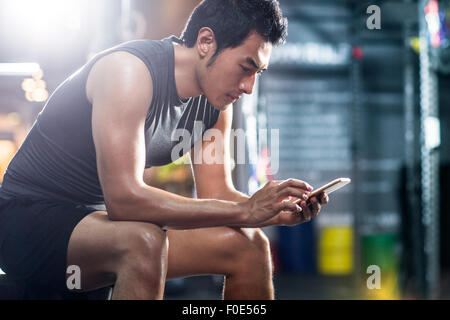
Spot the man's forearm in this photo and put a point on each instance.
(232, 195)
(171, 211)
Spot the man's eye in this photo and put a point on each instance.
(245, 69)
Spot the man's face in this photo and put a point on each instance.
(234, 70)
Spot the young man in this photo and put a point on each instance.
(77, 193)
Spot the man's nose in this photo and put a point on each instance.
(246, 85)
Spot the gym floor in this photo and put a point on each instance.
(287, 287)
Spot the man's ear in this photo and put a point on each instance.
(206, 42)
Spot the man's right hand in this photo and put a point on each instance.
(265, 203)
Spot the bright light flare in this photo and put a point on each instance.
(432, 132)
(44, 16)
(18, 69)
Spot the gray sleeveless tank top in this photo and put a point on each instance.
(57, 159)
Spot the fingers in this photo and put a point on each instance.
(299, 190)
(295, 183)
(288, 205)
(306, 213)
(291, 191)
(311, 208)
(314, 206)
(324, 199)
(293, 187)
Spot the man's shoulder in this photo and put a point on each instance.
(118, 73)
(141, 49)
(136, 43)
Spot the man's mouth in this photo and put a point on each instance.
(233, 98)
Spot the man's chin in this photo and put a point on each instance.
(220, 106)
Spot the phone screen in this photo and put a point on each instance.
(329, 187)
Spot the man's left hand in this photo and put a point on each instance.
(310, 209)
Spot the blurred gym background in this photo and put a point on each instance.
(348, 100)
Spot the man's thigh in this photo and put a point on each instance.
(96, 242)
(209, 250)
(97, 246)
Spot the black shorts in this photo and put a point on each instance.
(34, 236)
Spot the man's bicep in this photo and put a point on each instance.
(120, 100)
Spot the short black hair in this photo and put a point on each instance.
(233, 20)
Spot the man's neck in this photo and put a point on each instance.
(185, 76)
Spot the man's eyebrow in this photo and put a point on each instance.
(254, 63)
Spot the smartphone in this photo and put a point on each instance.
(329, 187)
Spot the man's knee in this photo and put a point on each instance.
(259, 241)
(253, 247)
(144, 243)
